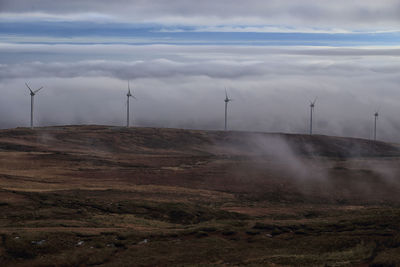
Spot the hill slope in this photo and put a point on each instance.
(107, 195)
(238, 162)
(142, 140)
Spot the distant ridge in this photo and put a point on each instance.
(146, 140)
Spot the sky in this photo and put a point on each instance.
(272, 56)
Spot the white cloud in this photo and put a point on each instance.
(50, 17)
(342, 15)
(260, 29)
(183, 86)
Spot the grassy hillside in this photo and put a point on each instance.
(98, 195)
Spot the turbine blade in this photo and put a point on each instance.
(226, 94)
(38, 90)
(315, 100)
(29, 88)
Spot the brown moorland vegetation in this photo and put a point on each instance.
(111, 196)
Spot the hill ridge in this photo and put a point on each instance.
(142, 139)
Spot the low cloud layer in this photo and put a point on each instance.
(183, 86)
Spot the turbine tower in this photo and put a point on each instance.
(128, 95)
(375, 121)
(227, 100)
(33, 93)
(312, 105)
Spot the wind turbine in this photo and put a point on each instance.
(312, 105)
(375, 121)
(33, 93)
(227, 100)
(128, 95)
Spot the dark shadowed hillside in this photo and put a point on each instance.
(142, 140)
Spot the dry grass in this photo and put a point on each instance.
(94, 195)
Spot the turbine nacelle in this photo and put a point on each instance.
(33, 92)
(312, 103)
(129, 94)
(227, 99)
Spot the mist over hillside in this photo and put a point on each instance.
(254, 161)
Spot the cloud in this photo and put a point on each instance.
(258, 29)
(195, 51)
(86, 63)
(342, 14)
(211, 61)
(158, 68)
(183, 86)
